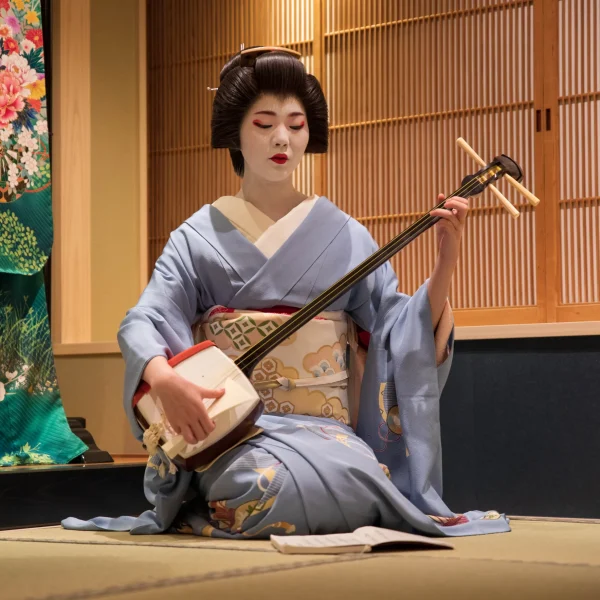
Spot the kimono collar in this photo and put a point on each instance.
(281, 272)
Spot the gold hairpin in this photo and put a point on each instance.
(250, 55)
(258, 50)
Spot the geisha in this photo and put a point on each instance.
(350, 434)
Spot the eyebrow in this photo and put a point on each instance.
(273, 114)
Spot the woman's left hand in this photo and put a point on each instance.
(450, 227)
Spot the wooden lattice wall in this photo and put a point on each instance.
(405, 79)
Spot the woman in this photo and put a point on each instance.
(318, 465)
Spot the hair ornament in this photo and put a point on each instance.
(249, 56)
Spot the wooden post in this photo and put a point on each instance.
(72, 272)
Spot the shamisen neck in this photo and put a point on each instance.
(247, 361)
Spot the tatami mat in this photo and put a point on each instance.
(393, 577)
(60, 535)
(535, 560)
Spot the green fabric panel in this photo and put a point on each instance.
(33, 425)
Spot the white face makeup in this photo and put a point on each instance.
(274, 136)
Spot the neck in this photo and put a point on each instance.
(273, 198)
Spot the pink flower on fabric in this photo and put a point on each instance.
(13, 23)
(11, 100)
(18, 66)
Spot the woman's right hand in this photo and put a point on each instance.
(183, 402)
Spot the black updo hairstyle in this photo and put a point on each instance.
(245, 78)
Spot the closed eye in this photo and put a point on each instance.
(264, 126)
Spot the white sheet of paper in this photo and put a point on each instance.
(364, 536)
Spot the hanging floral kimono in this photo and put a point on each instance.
(33, 425)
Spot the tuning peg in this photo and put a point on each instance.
(509, 207)
(533, 200)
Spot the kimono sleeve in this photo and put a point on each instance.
(378, 307)
(398, 413)
(161, 322)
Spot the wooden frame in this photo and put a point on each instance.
(528, 330)
(143, 140)
(547, 30)
(71, 172)
(86, 349)
(320, 174)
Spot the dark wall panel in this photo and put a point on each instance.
(520, 427)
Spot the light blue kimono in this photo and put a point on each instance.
(301, 475)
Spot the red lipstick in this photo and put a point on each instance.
(280, 159)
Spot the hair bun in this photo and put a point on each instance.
(232, 64)
(278, 70)
(247, 58)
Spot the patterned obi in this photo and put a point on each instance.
(307, 374)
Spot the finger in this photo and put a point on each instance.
(448, 216)
(459, 203)
(212, 393)
(188, 435)
(202, 417)
(459, 199)
(446, 213)
(199, 430)
(458, 208)
(208, 425)
(460, 214)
